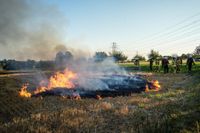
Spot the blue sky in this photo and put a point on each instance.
(95, 24)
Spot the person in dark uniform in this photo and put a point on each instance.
(165, 64)
(151, 64)
(178, 63)
(181, 60)
(157, 64)
(173, 64)
(136, 62)
(190, 62)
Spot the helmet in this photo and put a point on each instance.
(165, 57)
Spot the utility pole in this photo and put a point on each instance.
(136, 53)
(114, 47)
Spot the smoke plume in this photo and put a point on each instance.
(30, 29)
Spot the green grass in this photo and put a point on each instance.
(144, 67)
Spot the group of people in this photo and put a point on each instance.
(176, 63)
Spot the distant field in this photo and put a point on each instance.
(144, 66)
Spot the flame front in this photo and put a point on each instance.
(154, 85)
(60, 79)
(23, 92)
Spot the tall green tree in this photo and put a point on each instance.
(100, 56)
(140, 57)
(197, 50)
(184, 56)
(119, 56)
(154, 54)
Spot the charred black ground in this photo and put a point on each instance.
(114, 85)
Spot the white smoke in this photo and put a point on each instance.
(31, 29)
(91, 73)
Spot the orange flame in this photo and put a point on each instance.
(62, 79)
(23, 92)
(147, 88)
(58, 80)
(40, 89)
(154, 86)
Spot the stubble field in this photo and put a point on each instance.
(175, 108)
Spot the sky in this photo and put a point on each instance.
(137, 26)
(130, 23)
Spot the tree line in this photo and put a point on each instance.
(119, 56)
(63, 58)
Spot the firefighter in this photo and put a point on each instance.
(136, 63)
(181, 60)
(173, 65)
(178, 63)
(165, 64)
(151, 64)
(157, 62)
(190, 62)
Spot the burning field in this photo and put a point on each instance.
(102, 96)
(58, 73)
(62, 102)
(70, 84)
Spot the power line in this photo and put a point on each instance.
(171, 27)
(170, 34)
(184, 44)
(181, 29)
(176, 38)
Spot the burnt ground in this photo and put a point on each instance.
(175, 108)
